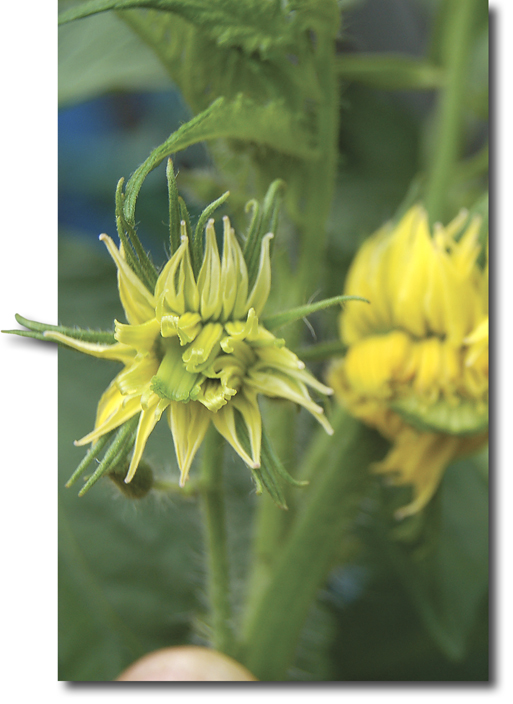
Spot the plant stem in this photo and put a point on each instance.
(456, 45)
(218, 580)
(320, 174)
(314, 540)
(271, 522)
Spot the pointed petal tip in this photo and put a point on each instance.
(402, 513)
(183, 479)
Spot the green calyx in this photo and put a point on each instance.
(462, 417)
(141, 484)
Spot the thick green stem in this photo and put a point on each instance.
(320, 174)
(218, 578)
(314, 541)
(271, 522)
(447, 142)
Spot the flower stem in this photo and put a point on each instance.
(218, 579)
(456, 47)
(315, 539)
(270, 522)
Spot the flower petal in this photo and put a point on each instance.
(224, 421)
(277, 385)
(147, 421)
(246, 403)
(260, 292)
(123, 412)
(234, 275)
(209, 278)
(117, 352)
(137, 301)
(141, 337)
(188, 423)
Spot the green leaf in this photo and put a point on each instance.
(253, 25)
(447, 581)
(240, 118)
(102, 55)
(278, 320)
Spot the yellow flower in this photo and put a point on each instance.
(416, 367)
(196, 350)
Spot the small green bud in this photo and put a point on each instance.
(141, 484)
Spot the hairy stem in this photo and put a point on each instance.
(271, 522)
(447, 143)
(315, 539)
(218, 577)
(320, 174)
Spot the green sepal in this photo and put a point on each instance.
(122, 228)
(270, 459)
(466, 418)
(198, 239)
(278, 320)
(117, 452)
(26, 333)
(37, 330)
(174, 208)
(92, 454)
(266, 474)
(184, 216)
(137, 258)
(141, 484)
(262, 223)
(321, 351)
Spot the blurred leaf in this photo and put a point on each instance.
(448, 581)
(103, 55)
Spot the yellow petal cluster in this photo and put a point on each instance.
(195, 350)
(416, 367)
